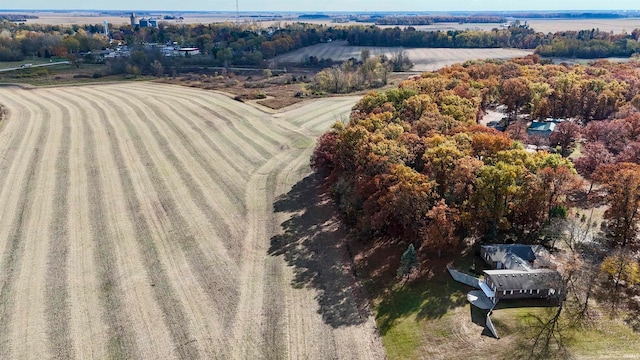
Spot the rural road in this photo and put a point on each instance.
(34, 66)
(151, 221)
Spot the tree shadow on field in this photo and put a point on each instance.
(313, 243)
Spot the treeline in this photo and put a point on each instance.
(219, 42)
(429, 20)
(513, 37)
(590, 44)
(250, 45)
(573, 15)
(412, 165)
(16, 17)
(587, 44)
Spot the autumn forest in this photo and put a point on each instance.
(412, 165)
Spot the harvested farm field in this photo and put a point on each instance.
(425, 59)
(151, 221)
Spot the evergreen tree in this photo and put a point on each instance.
(408, 262)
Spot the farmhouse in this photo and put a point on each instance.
(516, 284)
(515, 276)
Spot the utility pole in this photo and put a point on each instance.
(237, 13)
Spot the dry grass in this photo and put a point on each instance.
(140, 223)
(425, 59)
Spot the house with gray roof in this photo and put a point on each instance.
(512, 256)
(515, 275)
(515, 284)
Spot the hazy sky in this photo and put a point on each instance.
(325, 5)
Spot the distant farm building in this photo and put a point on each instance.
(150, 22)
(541, 129)
(180, 51)
(189, 51)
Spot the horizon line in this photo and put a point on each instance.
(333, 11)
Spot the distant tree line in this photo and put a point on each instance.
(513, 37)
(586, 44)
(590, 44)
(429, 20)
(219, 43)
(231, 44)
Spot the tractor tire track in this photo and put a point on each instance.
(58, 315)
(121, 339)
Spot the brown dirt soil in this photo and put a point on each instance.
(151, 221)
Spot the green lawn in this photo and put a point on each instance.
(430, 318)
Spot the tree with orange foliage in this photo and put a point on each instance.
(557, 182)
(515, 93)
(399, 208)
(440, 233)
(488, 143)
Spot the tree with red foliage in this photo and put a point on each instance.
(322, 157)
(631, 153)
(565, 136)
(594, 155)
(633, 126)
(518, 131)
(613, 134)
(557, 182)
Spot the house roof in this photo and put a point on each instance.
(542, 126)
(524, 280)
(498, 252)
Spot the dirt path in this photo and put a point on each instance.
(153, 221)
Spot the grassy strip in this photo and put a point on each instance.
(121, 342)
(58, 315)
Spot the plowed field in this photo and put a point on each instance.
(159, 222)
(425, 59)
